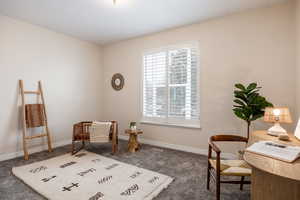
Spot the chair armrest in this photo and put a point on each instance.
(214, 146)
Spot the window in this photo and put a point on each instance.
(170, 86)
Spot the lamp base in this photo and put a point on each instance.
(276, 130)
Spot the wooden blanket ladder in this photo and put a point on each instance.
(33, 116)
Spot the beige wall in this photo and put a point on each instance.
(297, 10)
(70, 70)
(258, 45)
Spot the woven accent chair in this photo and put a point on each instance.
(81, 133)
(217, 167)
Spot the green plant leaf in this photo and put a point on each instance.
(239, 113)
(240, 86)
(236, 106)
(239, 102)
(240, 95)
(251, 86)
(253, 92)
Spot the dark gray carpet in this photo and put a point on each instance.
(189, 171)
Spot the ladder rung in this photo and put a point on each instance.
(31, 92)
(35, 136)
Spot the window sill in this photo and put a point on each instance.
(173, 125)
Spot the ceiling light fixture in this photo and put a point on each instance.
(115, 1)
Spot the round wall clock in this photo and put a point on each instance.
(117, 81)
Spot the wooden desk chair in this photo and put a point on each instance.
(81, 133)
(217, 167)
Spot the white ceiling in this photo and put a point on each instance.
(102, 22)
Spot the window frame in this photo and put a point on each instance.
(171, 121)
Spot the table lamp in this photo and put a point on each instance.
(277, 115)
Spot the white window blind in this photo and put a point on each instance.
(170, 86)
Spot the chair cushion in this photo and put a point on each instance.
(99, 132)
(232, 167)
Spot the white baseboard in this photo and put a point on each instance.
(179, 147)
(7, 156)
(195, 150)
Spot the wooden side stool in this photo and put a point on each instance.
(133, 144)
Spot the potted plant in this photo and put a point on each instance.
(132, 126)
(249, 104)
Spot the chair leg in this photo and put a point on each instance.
(208, 175)
(73, 146)
(114, 149)
(218, 187)
(74, 151)
(242, 183)
(117, 147)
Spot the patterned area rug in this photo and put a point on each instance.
(89, 176)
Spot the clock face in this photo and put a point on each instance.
(117, 81)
